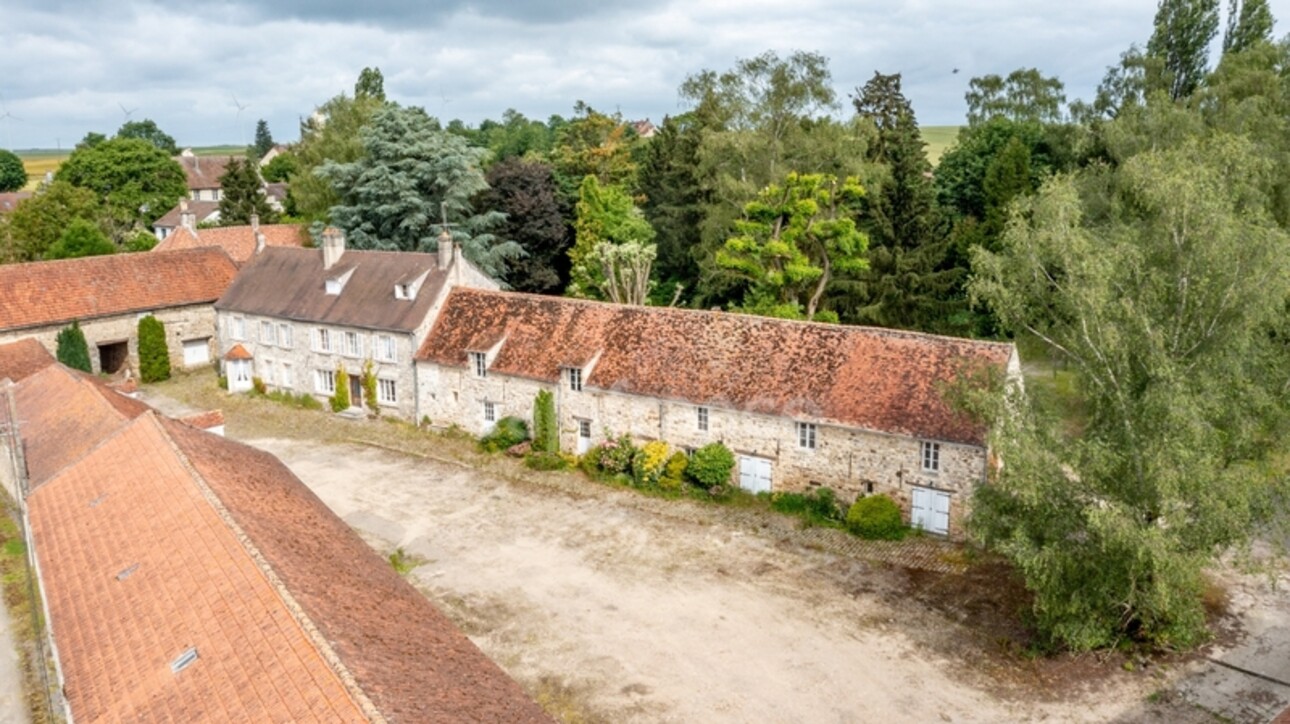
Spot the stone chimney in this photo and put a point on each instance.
(255, 223)
(260, 242)
(445, 249)
(187, 219)
(333, 246)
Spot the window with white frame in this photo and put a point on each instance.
(490, 412)
(385, 348)
(322, 340)
(238, 328)
(284, 336)
(931, 456)
(266, 371)
(386, 392)
(806, 435)
(325, 381)
(584, 429)
(701, 418)
(575, 379)
(288, 378)
(479, 363)
(266, 333)
(353, 344)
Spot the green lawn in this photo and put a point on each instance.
(939, 139)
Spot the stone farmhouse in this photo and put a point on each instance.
(108, 295)
(203, 174)
(860, 410)
(186, 214)
(239, 242)
(186, 577)
(308, 320)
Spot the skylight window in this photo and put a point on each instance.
(125, 573)
(184, 660)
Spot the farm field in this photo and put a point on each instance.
(939, 139)
(39, 161)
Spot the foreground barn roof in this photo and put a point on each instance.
(42, 293)
(21, 359)
(238, 241)
(877, 379)
(193, 578)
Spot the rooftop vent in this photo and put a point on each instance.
(95, 503)
(124, 574)
(184, 660)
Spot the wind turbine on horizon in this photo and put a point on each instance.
(240, 107)
(127, 112)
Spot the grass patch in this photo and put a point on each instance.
(404, 563)
(564, 702)
(938, 140)
(26, 617)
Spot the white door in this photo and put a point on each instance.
(197, 352)
(930, 511)
(584, 436)
(239, 375)
(754, 474)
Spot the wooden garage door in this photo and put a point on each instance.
(930, 511)
(197, 352)
(754, 474)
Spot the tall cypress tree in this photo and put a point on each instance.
(72, 349)
(243, 195)
(263, 139)
(669, 179)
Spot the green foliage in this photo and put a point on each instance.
(674, 198)
(37, 223)
(135, 181)
(710, 466)
(258, 387)
(13, 176)
(243, 195)
(369, 388)
(546, 430)
(543, 460)
(80, 238)
(525, 191)
(594, 144)
(154, 355)
(794, 239)
(605, 215)
(340, 399)
(614, 456)
(282, 167)
(1183, 32)
(1162, 283)
(648, 463)
(263, 139)
(303, 401)
(331, 134)
(412, 176)
(1025, 96)
(876, 517)
(147, 130)
(370, 84)
(72, 349)
(1249, 22)
(506, 434)
(816, 507)
(141, 241)
(674, 472)
(516, 137)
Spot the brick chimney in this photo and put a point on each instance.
(333, 246)
(187, 219)
(445, 249)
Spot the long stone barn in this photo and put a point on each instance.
(107, 295)
(861, 410)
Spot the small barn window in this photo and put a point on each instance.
(931, 456)
(575, 379)
(806, 435)
(490, 412)
(701, 418)
(479, 363)
(184, 660)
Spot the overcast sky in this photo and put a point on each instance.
(68, 67)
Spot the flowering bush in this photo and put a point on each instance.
(647, 464)
(615, 456)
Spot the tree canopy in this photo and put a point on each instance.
(13, 175)
(243, 195)
(147, 130)
(135, 181)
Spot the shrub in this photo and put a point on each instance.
(543, 460)
(711, 465)
(340, 400)
(72, 349)
(546, 432)
(648, 462)
(817, 506)
(674, 471)
(876, 517)
(369, 388)
(154, 357)
(508, 432)
(258, 386)
(222, 382)
(615, 455)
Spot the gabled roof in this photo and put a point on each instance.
(23, 358)
(238, 241)
(44, 293)
(201, 210)
(162, 538)
(9, 200)
(238, 352)
(203, 172)
(877, 379)
(291, 284)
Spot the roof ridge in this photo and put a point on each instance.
(102, 258)
(297, 612)
(128, 423)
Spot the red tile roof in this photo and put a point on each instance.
(45, 293)
(23, 358)
(238, 352)
(238, 241)
(876, 379)
(203, 172)
(204, 420)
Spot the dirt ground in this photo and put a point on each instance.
(611, 606)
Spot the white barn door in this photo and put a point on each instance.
(930, 511)
(754, 474)
(197, 352)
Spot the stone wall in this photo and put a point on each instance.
(851, 461)
(274, 362)
(182, 323)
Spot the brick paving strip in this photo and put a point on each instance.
(923, 553)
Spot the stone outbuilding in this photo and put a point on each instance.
(860, 410)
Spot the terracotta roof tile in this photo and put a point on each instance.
(238, 352)
(409, 659)
(204, 420)
(290, 284)
(876, 379)
(203, 172)
(238, 241)
(23, 358)
(44, 293)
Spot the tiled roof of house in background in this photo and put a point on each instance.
(407, 656)
(42, 293)
(291, 284)
(876, 379)
(23, 358)
(203, 172)
(9, 200)
(238, 241)
(204, 420)
(201, 210)
(277, 191)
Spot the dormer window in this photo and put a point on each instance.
(479, 363)
(408, 290)
(336, 284)
(401, 291)
(575, 379)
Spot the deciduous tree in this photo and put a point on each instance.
(526, 192)
(330, 134)
(605, 214)
(1025, 96)
(80, 238)
(135, 181)
(1183, 31)
(12, 174)
(1248, 22)
(147, 130)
